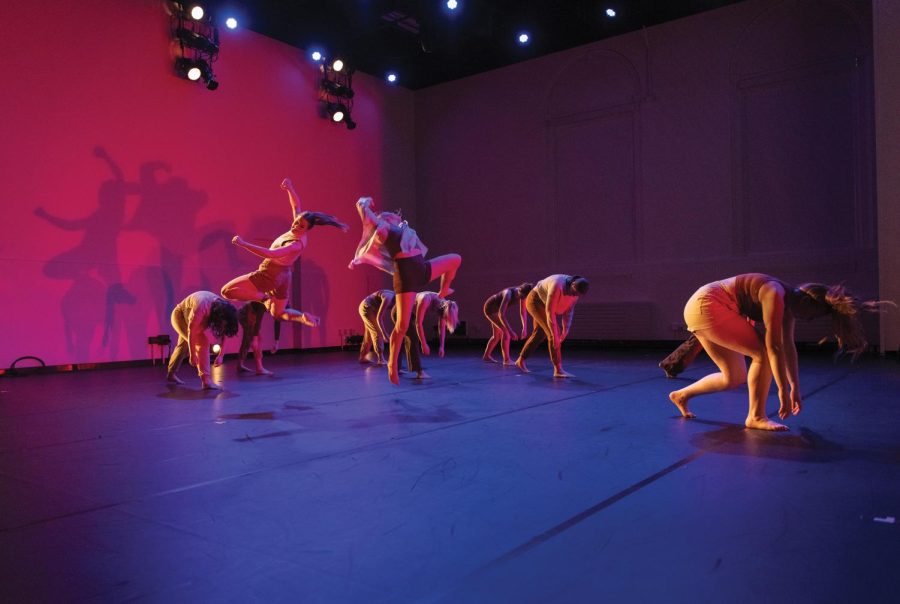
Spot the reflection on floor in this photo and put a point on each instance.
(325, 483)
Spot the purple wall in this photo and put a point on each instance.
(95, 252)
(737, 140)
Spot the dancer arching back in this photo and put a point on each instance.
(271, 282)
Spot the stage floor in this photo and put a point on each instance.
(327, 484)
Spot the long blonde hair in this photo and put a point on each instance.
(845, 310)
(450, 311)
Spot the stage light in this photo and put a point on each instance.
(610, 12)
(350, 123)
(197, 41)
(188, 69)
(197, 12)
(338, 90)
(216, 348)
(316, 56)
(231, 23)
(452, 4)
(523, 38)
(391, 77)
(336, 111)
(337, 65)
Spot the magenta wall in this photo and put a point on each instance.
(128, 236)
(736, 140)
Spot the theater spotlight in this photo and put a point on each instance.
(231, 23)
(197, 41)
(316, 56)
(523, 38)
(197, 12)
(350, 123)
(187, 69)
(215, 349)
(338, 90)
(337, 112)
(337, 65)
(391, 77)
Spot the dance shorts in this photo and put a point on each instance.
(411, 274)
(274, 281)
(710, 305)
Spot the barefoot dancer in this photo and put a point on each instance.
(271, 282)
(199, 320)
(250, 317)
(372, 311)
(390, 244)
(448, 318)
(552, 297)
(717, 314)
(495, 311)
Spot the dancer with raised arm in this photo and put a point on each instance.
(372, 311)
(447, 312)
(270, 283)
(201, 319)
(718, 315)
(552, 301)
(495, 311)
(250, 317)
(390, 244)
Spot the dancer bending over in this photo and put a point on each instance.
(495, 311)
(271, 282)
(200, 320)
(250, 317)
(390, 244)
(448, 318)
(718, 315)
(553, 297)
(372, 310)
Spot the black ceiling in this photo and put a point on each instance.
(427, 44)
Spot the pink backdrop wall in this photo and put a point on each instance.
(740, 139)
(123, 185)
(737, 140)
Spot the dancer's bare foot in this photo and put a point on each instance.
(446, 293)
(507, 362)
(421, 375)
(393, 375)
(309, 319)
(765, 424)
(210, 385)
(174, 379)
(243, 368)
(264, 371)
(520, 363)
(286, 184)
(681, 401)
(488, 359)
(560, 373)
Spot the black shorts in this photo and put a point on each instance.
(411, 274)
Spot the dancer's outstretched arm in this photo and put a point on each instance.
(567, 323)
(442, 333)
(264, 252)
(288, 186)
(366, 213)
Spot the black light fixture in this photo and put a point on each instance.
(197, 43)
(336, 92)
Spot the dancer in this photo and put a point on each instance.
(552, 297)
(199, 320)
(271, 282)
(372, 310)
(448, 318)
(495, 311)
(390, 244)
(717, 314)
(250, 317)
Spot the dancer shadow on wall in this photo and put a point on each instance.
(316, 297)
(92, 265)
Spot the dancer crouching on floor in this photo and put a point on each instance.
(372, 310)
(271, 282)
(718, 315)
(448, 318)
(390, 244)
(495, 311)
(552, 297)
(200, 319)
